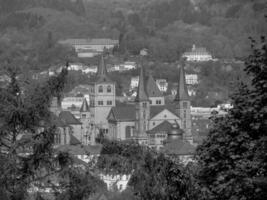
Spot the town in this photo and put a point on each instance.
(133, 100)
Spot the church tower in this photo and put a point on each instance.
(85, 115)
(182, 103)
(142, 109)
(102, 98)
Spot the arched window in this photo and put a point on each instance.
(100, 89)
(109, 89)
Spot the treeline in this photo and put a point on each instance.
(10, 6)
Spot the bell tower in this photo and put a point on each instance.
(183, 104)
(142, 110)
(102, 98)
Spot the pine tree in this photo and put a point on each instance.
(234, 157)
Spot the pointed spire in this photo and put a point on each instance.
(151, 87)
(102, 75)
(84, 107)
(141, 93)
(182, 93)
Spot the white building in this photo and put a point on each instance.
(90, 47)
(191, 79)
(115, 181)
(129, 65)
(69, 102)
(134, 82)
(162, 84)
(197, 54)
(90, 70)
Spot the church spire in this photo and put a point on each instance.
(102, 75)
(84, 107)
(182, 93)
(141, 93)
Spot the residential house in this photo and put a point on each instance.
(197, 54)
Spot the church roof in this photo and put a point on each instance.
(141, 93)
(74, 140)
(127, 112)
(154, 110)
(182, 93)
(102, 74)
(68, 118)
(85, 106)
(164, 126)
(152, 89)
(122, 113)
(179, 147)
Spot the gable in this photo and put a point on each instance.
(164, 115)
(111, 116)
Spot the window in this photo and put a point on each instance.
(100, 103)
(144, 104)
(83, 116)
(185, 114)
(57, 138)
(158, 102)
(100, 89)
(109, 89)
(154, 123)
(109, 102)
(184, 104)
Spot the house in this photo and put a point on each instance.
(134, 82)
(118, 182)
(128, 65)
(162, 84)
(90, 47)
(191, 79)
(197, 54)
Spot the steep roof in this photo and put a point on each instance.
(57, 121)
(141, 93)
(85, 106)
(179, 147)
(74, 140)
(102, 74)
(152, 89)
(164, 126)
(68, 118)
(154, 110)
(122, 113)
(182, 93)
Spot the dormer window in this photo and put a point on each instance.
(109, 89)
(100, 89)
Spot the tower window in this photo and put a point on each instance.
(83, 116)
(109, 89)
(158, 102)
(100, 89)
(109, 103)
(144, 104)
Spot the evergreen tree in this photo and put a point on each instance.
(233, 158)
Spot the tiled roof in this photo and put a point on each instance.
(152, 89)
(68, 118)
(57, 121)
(179, 147)
(164, 126)
(74, 140)
(122, 113)
(154, 110)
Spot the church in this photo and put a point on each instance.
(148, 120)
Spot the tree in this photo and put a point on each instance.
(153, 175)
(234, 154)
(26, 149)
